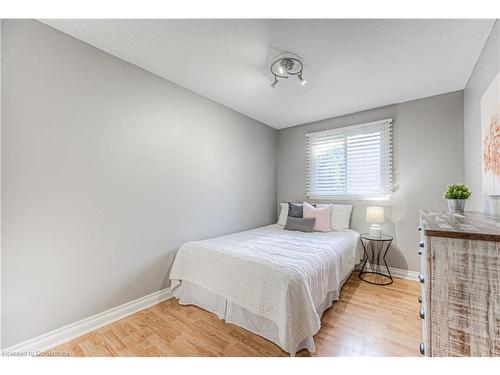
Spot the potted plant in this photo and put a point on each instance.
(456, 196)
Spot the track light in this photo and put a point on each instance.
(286, 67)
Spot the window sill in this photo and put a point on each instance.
(351, 198)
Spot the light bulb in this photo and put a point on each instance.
(281, 70)
(302, 80)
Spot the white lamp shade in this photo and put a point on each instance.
(375, 215)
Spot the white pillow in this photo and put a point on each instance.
(283, 214)
(341, 215)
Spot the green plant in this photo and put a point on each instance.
(457, 191)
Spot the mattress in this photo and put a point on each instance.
(273, 282)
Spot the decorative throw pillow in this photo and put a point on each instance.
(300, 224)
(295, 210)
(341, 215)
(283, 214)
(322, 216)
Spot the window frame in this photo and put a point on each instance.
(386, 154)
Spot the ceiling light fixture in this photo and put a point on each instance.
(286, 67)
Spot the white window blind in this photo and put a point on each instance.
(350, 162)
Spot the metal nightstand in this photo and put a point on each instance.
(378, 246)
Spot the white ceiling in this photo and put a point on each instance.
(350, 65)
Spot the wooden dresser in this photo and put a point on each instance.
(460, 277)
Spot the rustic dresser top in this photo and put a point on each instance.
(469, 225)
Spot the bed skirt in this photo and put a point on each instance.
(189, 293)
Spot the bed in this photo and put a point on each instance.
(270, 281)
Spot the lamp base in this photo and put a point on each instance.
(375, 231)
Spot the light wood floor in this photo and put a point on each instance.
(367, 320)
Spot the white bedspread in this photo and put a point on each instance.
(277, 274)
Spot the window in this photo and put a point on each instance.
(350, 162)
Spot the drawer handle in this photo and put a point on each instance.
(421, 278)
(422, 348)
(420, 251)
(421, 244)
(422, 313)
(419, 228)
(419, 299)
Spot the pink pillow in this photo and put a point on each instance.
(322, 216)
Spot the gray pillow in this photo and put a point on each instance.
(300, 224)
(295, 210)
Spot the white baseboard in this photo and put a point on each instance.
(71, 331)
(397, 272)
(404, 274)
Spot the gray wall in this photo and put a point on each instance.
(428, 155)
(484, 72)
(106, 170)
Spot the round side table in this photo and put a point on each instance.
(378, 246)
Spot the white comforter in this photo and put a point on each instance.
(279, 275)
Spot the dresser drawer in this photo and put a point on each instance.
(465, 303)
(460, 265)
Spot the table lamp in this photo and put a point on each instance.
(375, 216)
